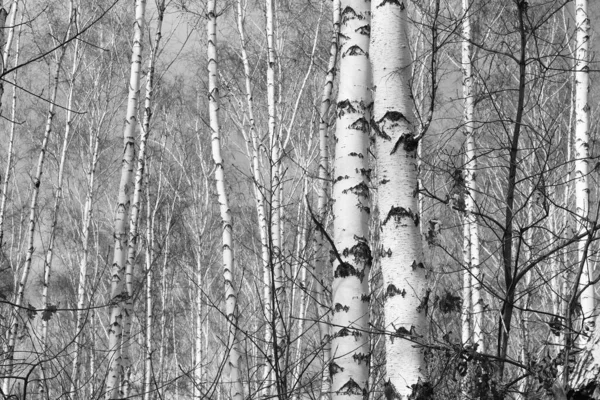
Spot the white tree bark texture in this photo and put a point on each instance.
(401, 253)
(582, 190)
(470, 174)
(121, 232)
(234, 387)
(350, 352)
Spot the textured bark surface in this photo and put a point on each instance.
(350, 353)
(470, 172)
(33, 219)
(401, 253)
(234, 387)
(582, 190)
(118, 295)
(323, 197)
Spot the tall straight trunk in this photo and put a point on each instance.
(300, 284)
(10, 32)
(82, 313)
(149, 303)
(350, 353)
(275, 273)
(323, 196)
(163, 323)
(198, 342)
(466, 311)
(33, 216)
(582, 190)
(470, 173)
(404, 275)
(117, 294)
(254, 151)
(5, 182)
(58, 194)
(135, 208)
(235, 388)
(3, 15)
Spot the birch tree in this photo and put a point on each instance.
(274, 278)
(323, 190)
(350, 355)
(401, 254)
(33, 217)
(118, 295)
(235, 389)
(582, 190)
(58, 199)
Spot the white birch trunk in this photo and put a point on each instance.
(350, 352)
(117, 294)
(149, 304)
(135, 208)
(466, 311)
(470, 172)
(275, 268)
(33, 216)
(11, 140)
(582, 190)
(82, 312)
(323, 196)
(46, 304)
(404, 275)
(10, 33)
(234, 387)
(259, 196)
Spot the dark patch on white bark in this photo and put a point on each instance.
(361, 357)
(355, 51)
(348, 13)
(334, 368)
(416, 265)
(351, 388)
(345, 270)
(339, 308)
(390, 392)
(392, 291)
(360, 124)
(360, 190)
(348, 332)
(398, 213)
(385, 253)
(364, 30)
(359, 155)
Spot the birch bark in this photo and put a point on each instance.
(135, 208)
(81, 312)
(9, 160)
(582, 190)
(235, 388)
(401, 253)
(323, 197)
(33, 216)
(118, 295)
(350, 353)
(254, 149)
(58, 194)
